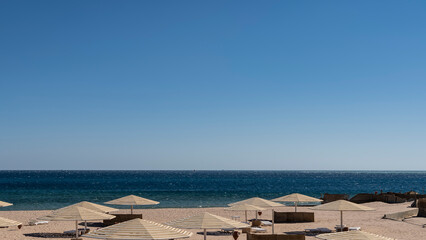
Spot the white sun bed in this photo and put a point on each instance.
(37, 222)
(258, 230)
(354, 228)
(266, 223)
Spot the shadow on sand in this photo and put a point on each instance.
(49, 235)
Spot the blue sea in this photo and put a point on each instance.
(36, 190)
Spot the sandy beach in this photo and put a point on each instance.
(369, 221)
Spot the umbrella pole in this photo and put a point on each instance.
(131, 209)
(76, 229)
(273, 222)
(85, 226)
(205, 234)
(341, 221)
(246, 216)
(295, 206)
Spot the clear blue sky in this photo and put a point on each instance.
(213, 85)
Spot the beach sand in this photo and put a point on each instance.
(369, 221)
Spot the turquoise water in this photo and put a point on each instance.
(34, 190)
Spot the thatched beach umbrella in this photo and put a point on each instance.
(132, 200)
(94, 207)
(76, 213)
(351, 235)
(260, 202)
(244, 207)
(341, 205)
(257, 201)
(206, 221)
(296, 198)
(4, 222)
(139, 229)
(5, 204)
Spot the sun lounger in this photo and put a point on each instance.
(258, 230)
(266, 223)
(318, 230)
(36, 222)
(354, 228)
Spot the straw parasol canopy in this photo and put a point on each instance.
(95, 207)
(244, 207)
(4, 222)
(5, 204)
(139, 229)
(76, 213)
(206, 221)
(296, 198)
(342, 205)
(352, 235)
(132, 200)
(260, 202)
